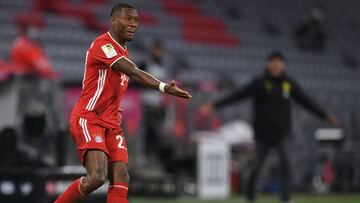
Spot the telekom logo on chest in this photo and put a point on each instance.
(124, 78)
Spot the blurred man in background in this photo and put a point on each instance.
(310, 34)
(28, 56)
(272, 94)
(36, 91)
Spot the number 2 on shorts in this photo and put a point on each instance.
(121, 141)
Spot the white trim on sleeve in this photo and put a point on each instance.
(119, 59)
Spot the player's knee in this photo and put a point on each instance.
(127, 178)
(122, 174)
(98, 178)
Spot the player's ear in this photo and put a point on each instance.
(112, 20)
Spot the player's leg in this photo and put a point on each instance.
(72, 194)
(118, 168)
(96, 167)
(92, 153)
(285, 177)
(96, 164)
(261, 153)
(119, 180)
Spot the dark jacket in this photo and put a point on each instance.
(272, 104)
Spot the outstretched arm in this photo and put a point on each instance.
(127, 67)
(237, 95)
(304, 100)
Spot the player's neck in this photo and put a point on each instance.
(120, 41)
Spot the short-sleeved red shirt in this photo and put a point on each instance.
(103, 87)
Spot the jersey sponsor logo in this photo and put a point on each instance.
(124, 78)
(109, 50)
(98, 139)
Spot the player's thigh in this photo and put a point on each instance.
(96, 163)
(87, 136)
(118, 172)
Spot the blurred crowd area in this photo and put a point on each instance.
(209, 47)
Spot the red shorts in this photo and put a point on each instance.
(92, 136)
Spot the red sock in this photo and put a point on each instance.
(72, 194)
(117, 193)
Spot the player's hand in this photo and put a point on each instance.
(207, 108)
(174, 90)
(332, 120)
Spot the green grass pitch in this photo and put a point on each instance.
(351, 198)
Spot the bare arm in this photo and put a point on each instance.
(127, 67)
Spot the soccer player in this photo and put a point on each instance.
(95, 119)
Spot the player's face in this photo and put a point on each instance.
(276, 67)
(125, 23)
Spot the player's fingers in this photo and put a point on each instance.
(180, 94)
(185, 94)
(182, 91)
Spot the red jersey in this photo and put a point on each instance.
(103, 87)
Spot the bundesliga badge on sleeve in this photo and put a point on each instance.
(109, 50)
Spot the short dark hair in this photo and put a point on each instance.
(119, 6)
(275, 55)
